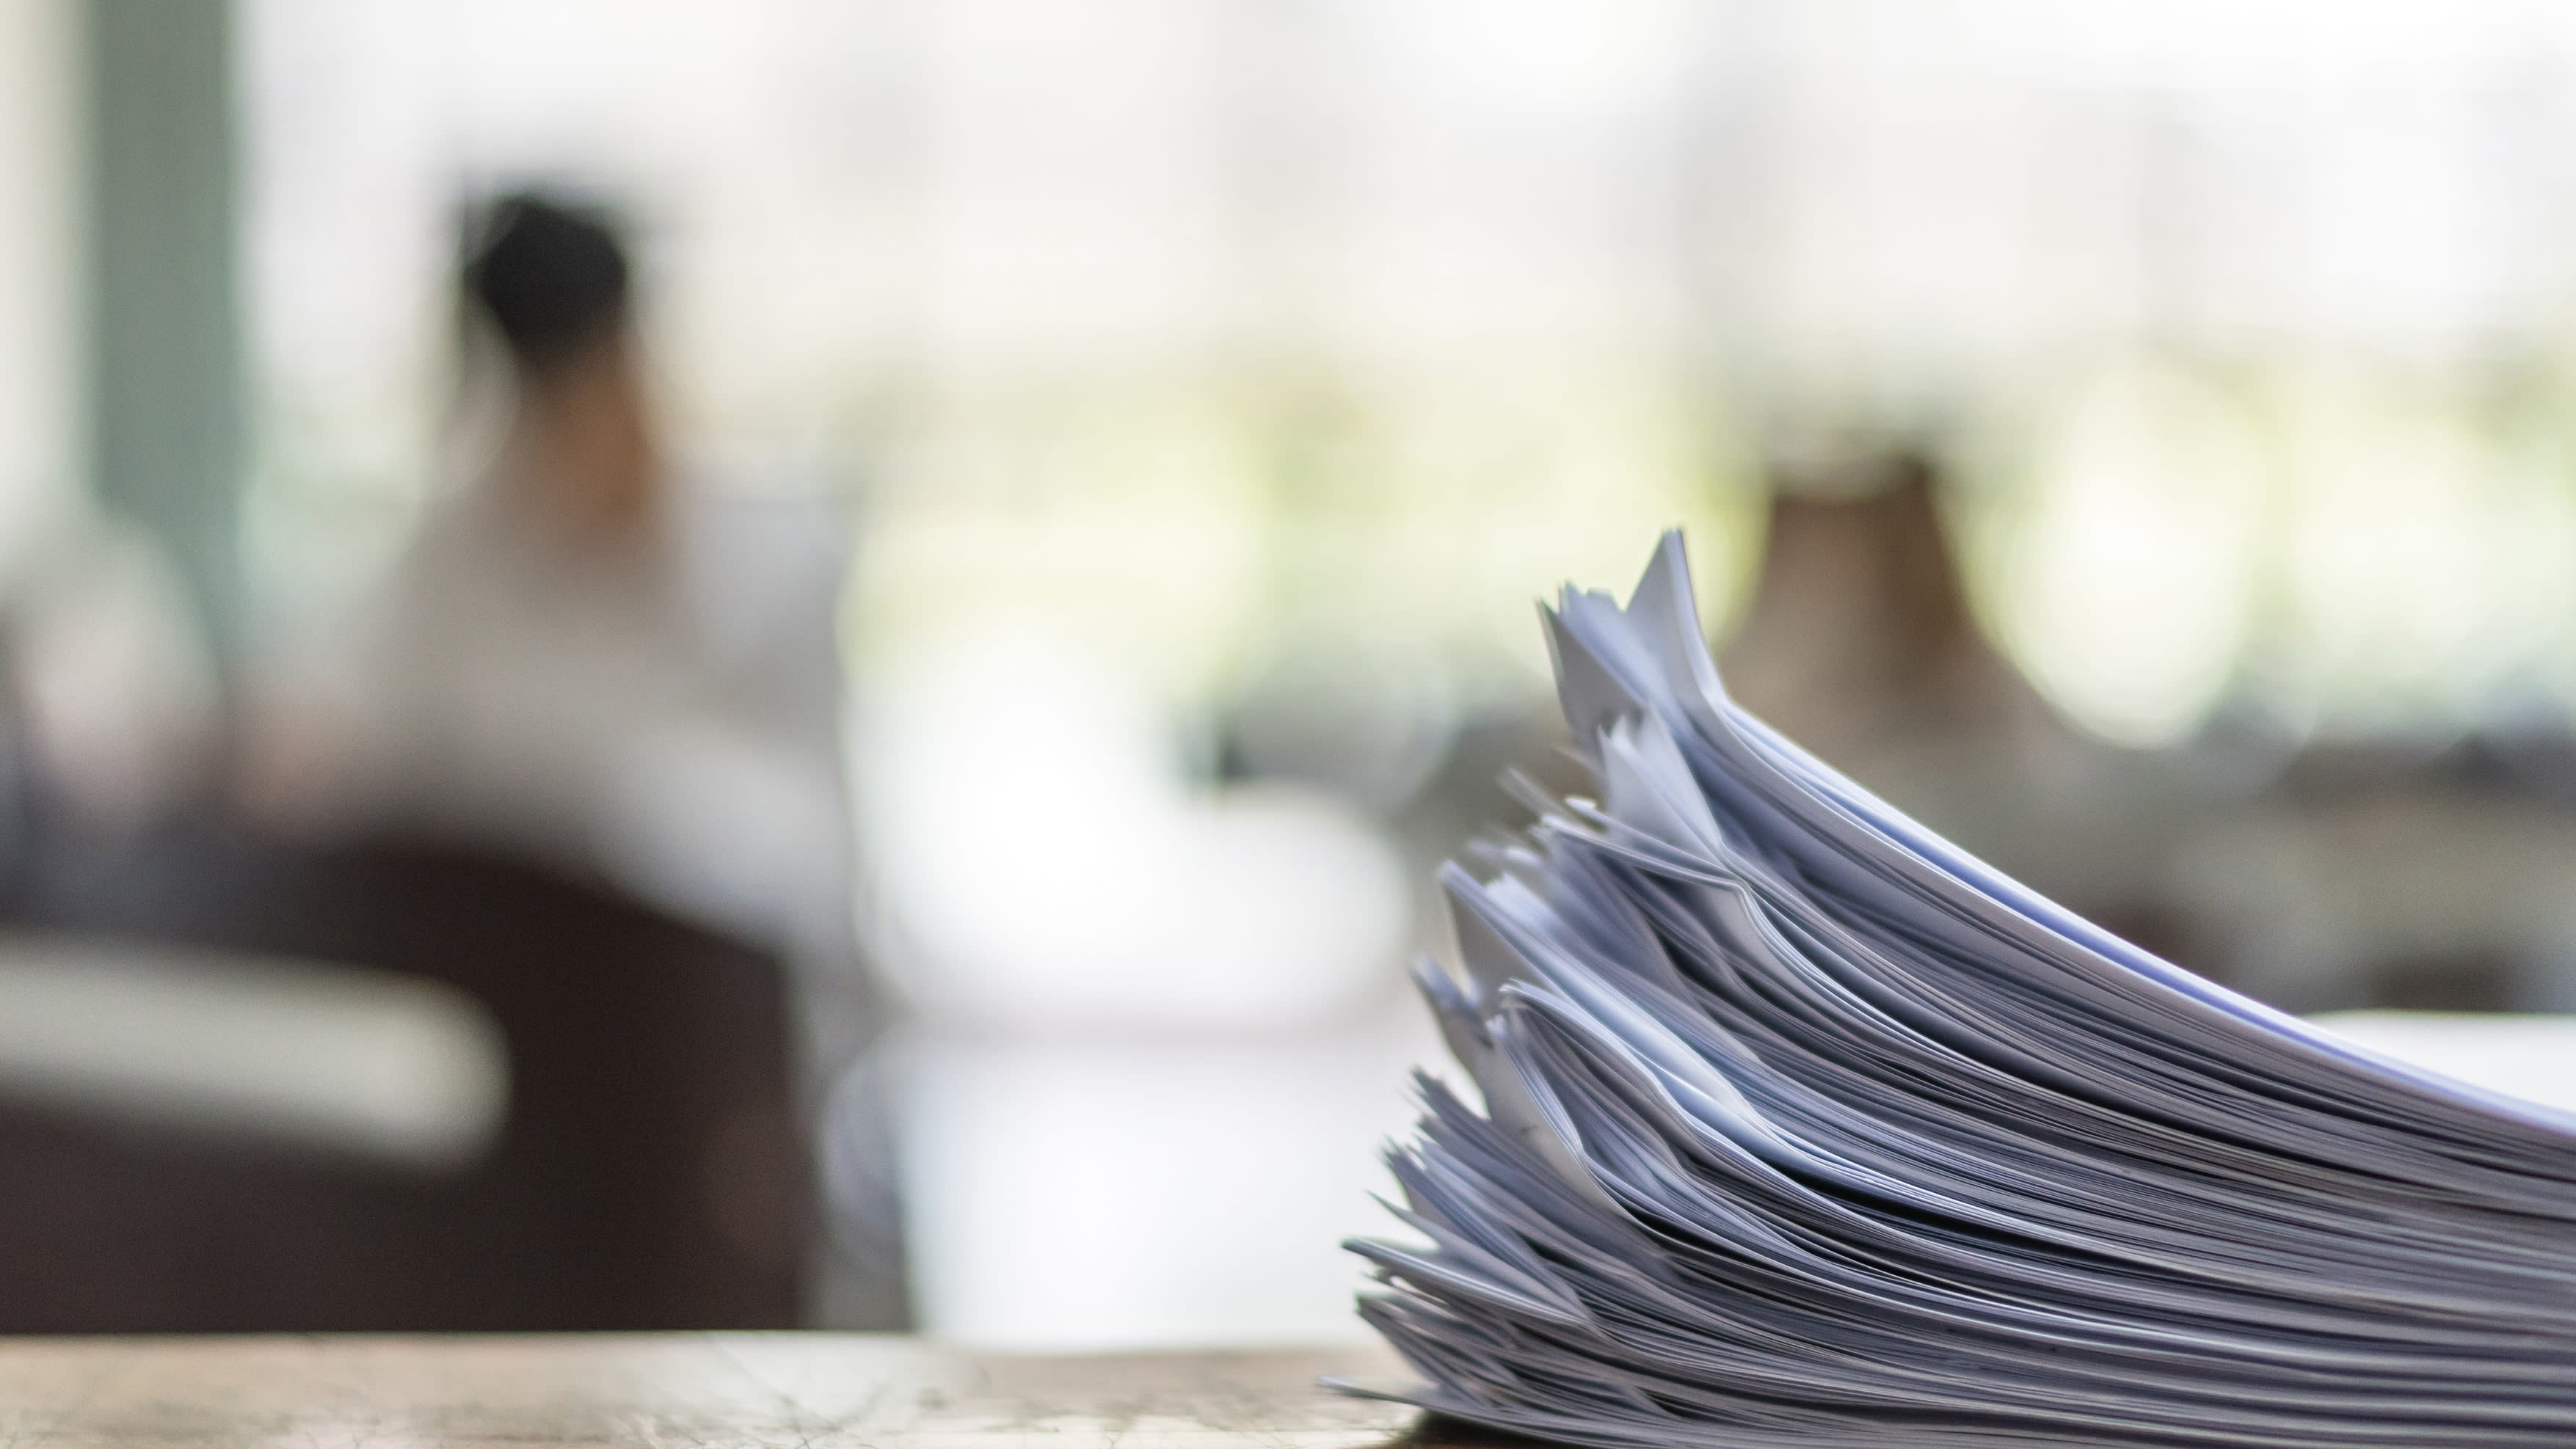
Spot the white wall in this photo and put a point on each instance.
(39, 263)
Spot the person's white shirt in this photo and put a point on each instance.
(663, 707)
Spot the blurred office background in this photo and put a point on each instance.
(2140, 438)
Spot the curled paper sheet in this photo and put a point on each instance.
(1800, 1127)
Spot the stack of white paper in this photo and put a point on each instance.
(1800, 1127)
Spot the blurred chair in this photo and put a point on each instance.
(648, 1172)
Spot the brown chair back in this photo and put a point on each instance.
(650, 1172)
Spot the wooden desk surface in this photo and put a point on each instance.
(701, 1391)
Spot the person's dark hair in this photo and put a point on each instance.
(549, 274)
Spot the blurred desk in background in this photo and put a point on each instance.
(713, 1390)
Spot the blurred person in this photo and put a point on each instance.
(110, 712)
(586, 659)
(1860, 637)
(1862, 645)
(581, 659)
